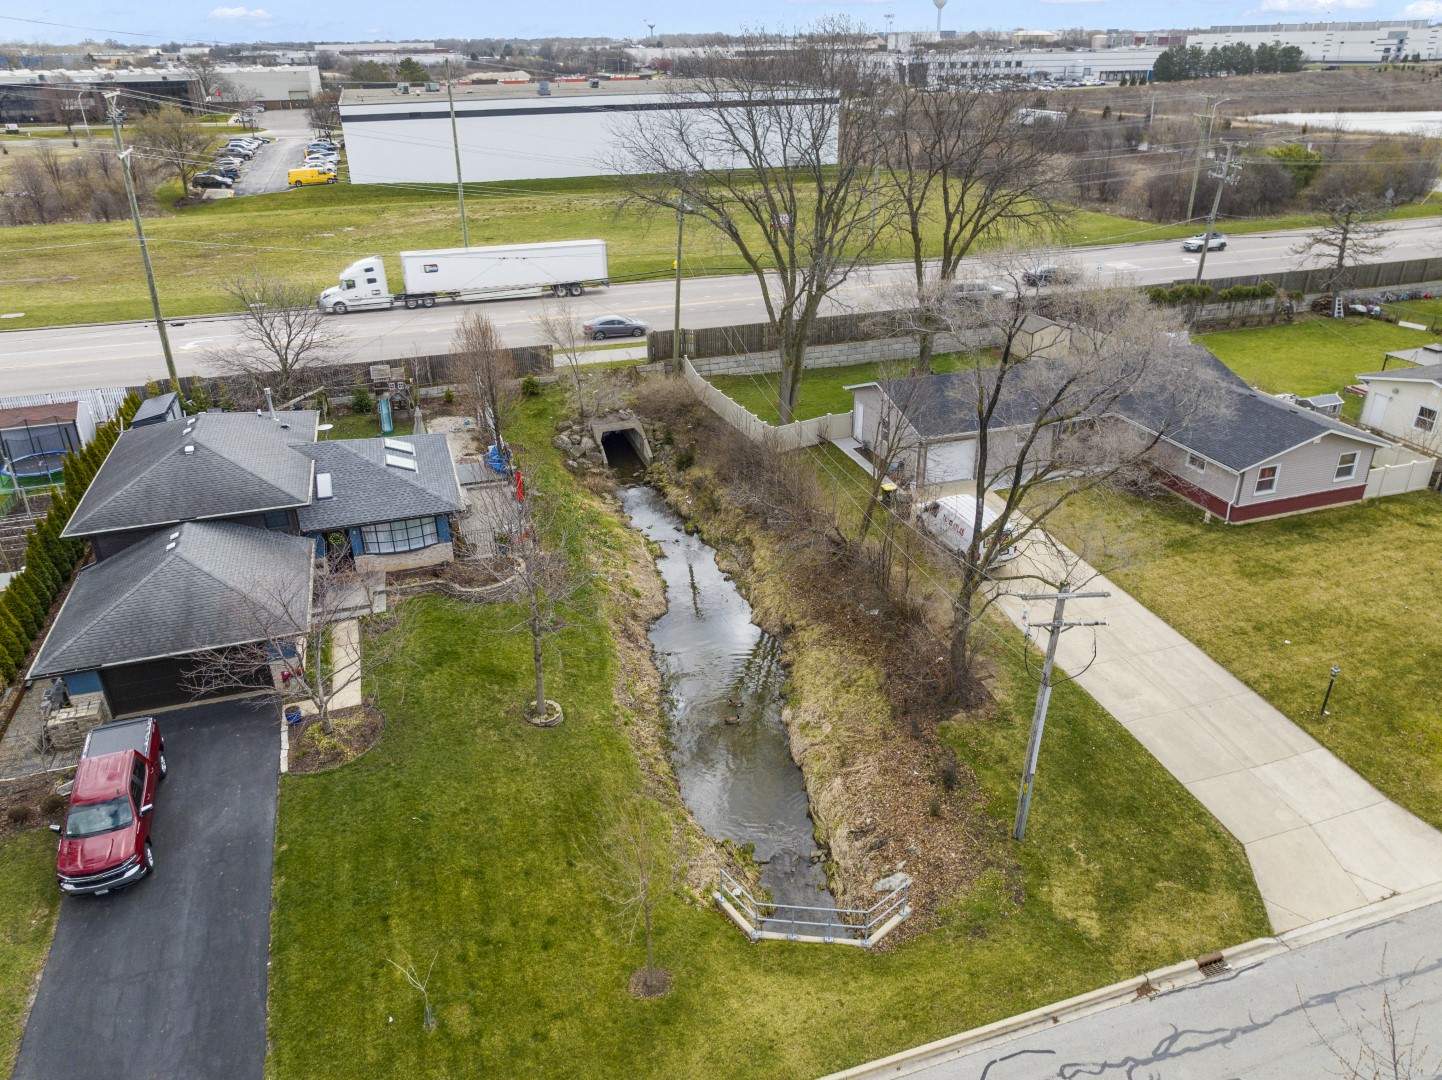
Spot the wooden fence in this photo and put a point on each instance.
(1385, 275)
(761, 337)
(780, 438)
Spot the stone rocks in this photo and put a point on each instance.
(561, 443)
(892, 883)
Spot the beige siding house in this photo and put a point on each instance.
(1406, 403)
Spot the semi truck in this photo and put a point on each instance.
(564, 268)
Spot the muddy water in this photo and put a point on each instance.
(724, 677)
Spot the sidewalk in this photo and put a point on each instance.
(1321, 840)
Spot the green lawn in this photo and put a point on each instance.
(29, 903)
(1279, 602)
(823, 389)
(309, 235)
(458, 837)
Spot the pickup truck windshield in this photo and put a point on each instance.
(92, 819)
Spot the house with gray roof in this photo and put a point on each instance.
(1405, 403)
(1253, 456)
(131, 622)
(189, 517)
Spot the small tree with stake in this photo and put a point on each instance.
(636, 858)
(486, 372)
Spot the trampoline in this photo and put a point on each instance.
(34, 466)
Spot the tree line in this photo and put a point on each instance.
(1182, 62)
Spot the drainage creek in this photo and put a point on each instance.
(723, 676)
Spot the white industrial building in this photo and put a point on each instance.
(35, 92)
(424, 53)
(1335, 42)
(505, 132)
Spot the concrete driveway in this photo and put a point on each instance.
(168, 978)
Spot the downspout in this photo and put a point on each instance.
(1235, 496)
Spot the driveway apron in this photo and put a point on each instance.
(168, 978)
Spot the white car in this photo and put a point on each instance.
(1217, 242)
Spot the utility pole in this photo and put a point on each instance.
(1210, 116)
(676, 330)
(1043, 695)
(1226, 174)
(124, 154)
(456, 146)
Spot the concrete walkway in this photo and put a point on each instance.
(1321, 840)
(345, 692)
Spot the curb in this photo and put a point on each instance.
(1161, 980)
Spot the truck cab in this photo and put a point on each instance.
(105, 841)
(362, 285)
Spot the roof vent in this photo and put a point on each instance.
(170, 546)
(189, 448)
(399, 447)
(322, 485)
(175, 535)
(398, 462)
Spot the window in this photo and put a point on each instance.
(1266, 480)
(1346, 466)
(137, 785)
(392, 536)
(1426, 419)
(1199, 464)
(276, 519)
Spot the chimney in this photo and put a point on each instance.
(270, 404)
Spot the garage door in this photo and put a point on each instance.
(948, 462)
(154, 684)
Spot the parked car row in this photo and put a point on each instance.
(229, 160)
(319, 167)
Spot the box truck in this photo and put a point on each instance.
(952, 519)
(565, 268)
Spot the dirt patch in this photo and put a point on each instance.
(468, 573)
(29, 803)
(650, 982)
(354, 731)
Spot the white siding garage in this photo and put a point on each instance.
(949, 462)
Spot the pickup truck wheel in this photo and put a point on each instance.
(164, 768)
(149, 858)
(338, 309)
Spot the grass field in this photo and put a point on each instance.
(29, 904)
(459, 835)
(1279, 602)
(60, 274)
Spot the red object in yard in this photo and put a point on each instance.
(520, 487)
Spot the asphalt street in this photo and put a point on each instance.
(1316, 1011)
(168, 977)
(75, 357)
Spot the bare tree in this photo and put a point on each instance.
(549, 579)
(963, 166)
(1376, 1045)
(173, 136)
(637, 859)
(282, 335)
(562, 331)
(1049, 428)
(1351, 235)
(324, 113)
(487, 372)
(421, 985)
(294, 642)
(211, 85)
(773, 144)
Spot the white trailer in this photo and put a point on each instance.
(563, 268)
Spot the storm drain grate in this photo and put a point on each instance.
(1212, 964)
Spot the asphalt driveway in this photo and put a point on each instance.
(168, 978)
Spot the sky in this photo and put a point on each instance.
(156, 21)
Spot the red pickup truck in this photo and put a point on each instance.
(105, 842)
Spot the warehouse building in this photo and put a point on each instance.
(44, 96)
(1335, 42)
(529, 131)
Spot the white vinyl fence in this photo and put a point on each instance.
(1396, 470)
(785, 437)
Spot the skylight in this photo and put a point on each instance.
(399, 447)
(396, 461)
(322, 485)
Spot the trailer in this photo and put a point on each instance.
(461, 275)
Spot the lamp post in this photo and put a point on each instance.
(1330, 683)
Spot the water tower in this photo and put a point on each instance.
(939, 5)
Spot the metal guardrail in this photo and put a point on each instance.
(762, 919)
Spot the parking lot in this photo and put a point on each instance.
(266, 172)
(168, 977)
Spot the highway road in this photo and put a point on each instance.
(74, 357)
(1283, 1018)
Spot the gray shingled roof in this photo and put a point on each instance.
(1430, 373)
(214, 588)
(1254, 428)
(367, 490)
(242, 463)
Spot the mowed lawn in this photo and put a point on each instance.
(460, 837)
(1278, 603)
(29, 904)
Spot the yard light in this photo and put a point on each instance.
(1330, 683)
